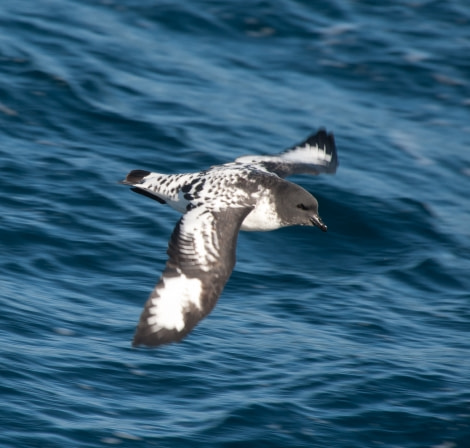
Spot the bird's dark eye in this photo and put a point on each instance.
(301, 206)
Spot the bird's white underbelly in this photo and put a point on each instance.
(262, 217)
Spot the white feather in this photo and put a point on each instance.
(176, 294)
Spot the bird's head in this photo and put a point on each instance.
(298, 207)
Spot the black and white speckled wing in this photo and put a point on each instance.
(201, 258)
(171, 189)
(316, 155)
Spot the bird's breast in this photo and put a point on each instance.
(263, 217)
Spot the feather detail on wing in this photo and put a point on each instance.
(200, 262)
(316, 155)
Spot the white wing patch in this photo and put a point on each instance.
(174, 297)
(255, 159)
(308, 154)
(300, 154)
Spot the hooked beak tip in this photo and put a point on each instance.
(317, 222)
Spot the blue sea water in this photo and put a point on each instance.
(359, 337)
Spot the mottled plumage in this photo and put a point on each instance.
(248, 194)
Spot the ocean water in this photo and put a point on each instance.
(359, 337)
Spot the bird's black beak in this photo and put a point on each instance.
(317, 222)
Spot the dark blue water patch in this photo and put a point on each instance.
(387, 231)
(431, 276)
(236, 430)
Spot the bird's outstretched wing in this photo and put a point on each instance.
(201, 258)
(315, 155)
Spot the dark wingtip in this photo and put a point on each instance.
(144, 338)
(137, 342)
(135, 177)
(325, 139)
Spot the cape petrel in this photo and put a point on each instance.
(247, 194)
